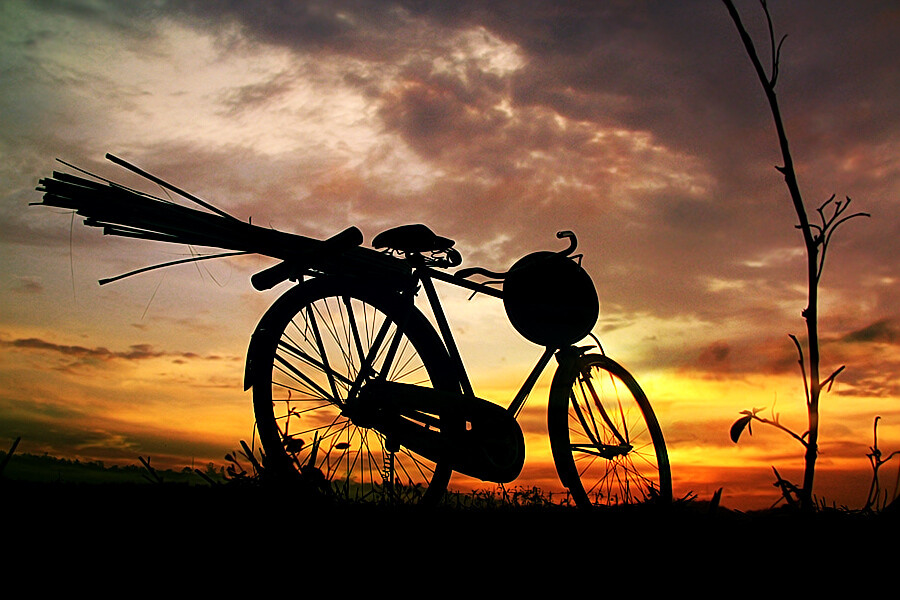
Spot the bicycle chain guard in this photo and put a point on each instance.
(477, 437)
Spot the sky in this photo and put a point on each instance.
(639, 125)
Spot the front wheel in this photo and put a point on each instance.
(606, 441)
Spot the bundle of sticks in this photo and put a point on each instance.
(126, 212)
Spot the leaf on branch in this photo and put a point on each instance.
(738, 428)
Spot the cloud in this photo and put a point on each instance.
(253, 95)
(28, 285)
(715, 357)
(639, 125)
(87, 355)
(884, 331)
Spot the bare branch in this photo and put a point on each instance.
(751, 415)
(829, 226)
(777, 59)
(830, 379)
(775, 52)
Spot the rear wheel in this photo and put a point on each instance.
(313, 352)
(606, 441)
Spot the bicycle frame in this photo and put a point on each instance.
(595, 408)
(425, 275)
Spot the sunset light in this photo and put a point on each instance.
(640, 127)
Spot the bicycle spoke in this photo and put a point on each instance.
(590, 431)
(605, 439)
(602, 410)
(354, 330)
(298, 353)
(327, 347)
(322, 352)
(301, 376)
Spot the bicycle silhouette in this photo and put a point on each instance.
(349, 377)
(354, 386)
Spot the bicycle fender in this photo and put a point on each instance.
(255, 340)
(260, 333)
(569, 362)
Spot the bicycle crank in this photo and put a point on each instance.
(479, 438)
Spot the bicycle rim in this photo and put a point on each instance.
(606, 441)
(321, 344)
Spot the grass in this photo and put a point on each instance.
(87, 512)
(36, 468)
(233, 528)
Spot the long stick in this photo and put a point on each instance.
(165, 184)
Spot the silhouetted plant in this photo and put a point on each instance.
(207, 477)
(151, 475)
(878, 498)
(235, 471)
(9, 454)
(816, 237)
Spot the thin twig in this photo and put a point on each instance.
(169, 264)
(802, 366)
(774, 423)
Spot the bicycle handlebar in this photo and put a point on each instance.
(470, 271)
(351, 238)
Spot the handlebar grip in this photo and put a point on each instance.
(272, 276)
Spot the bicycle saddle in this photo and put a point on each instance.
(411, 238)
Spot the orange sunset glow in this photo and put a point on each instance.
(640, 126)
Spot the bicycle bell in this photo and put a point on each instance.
(550, 299)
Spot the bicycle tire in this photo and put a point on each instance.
(304, 356)
(605, 438)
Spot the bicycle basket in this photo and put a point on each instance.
(550, 299)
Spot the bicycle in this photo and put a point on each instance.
(347, 358)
